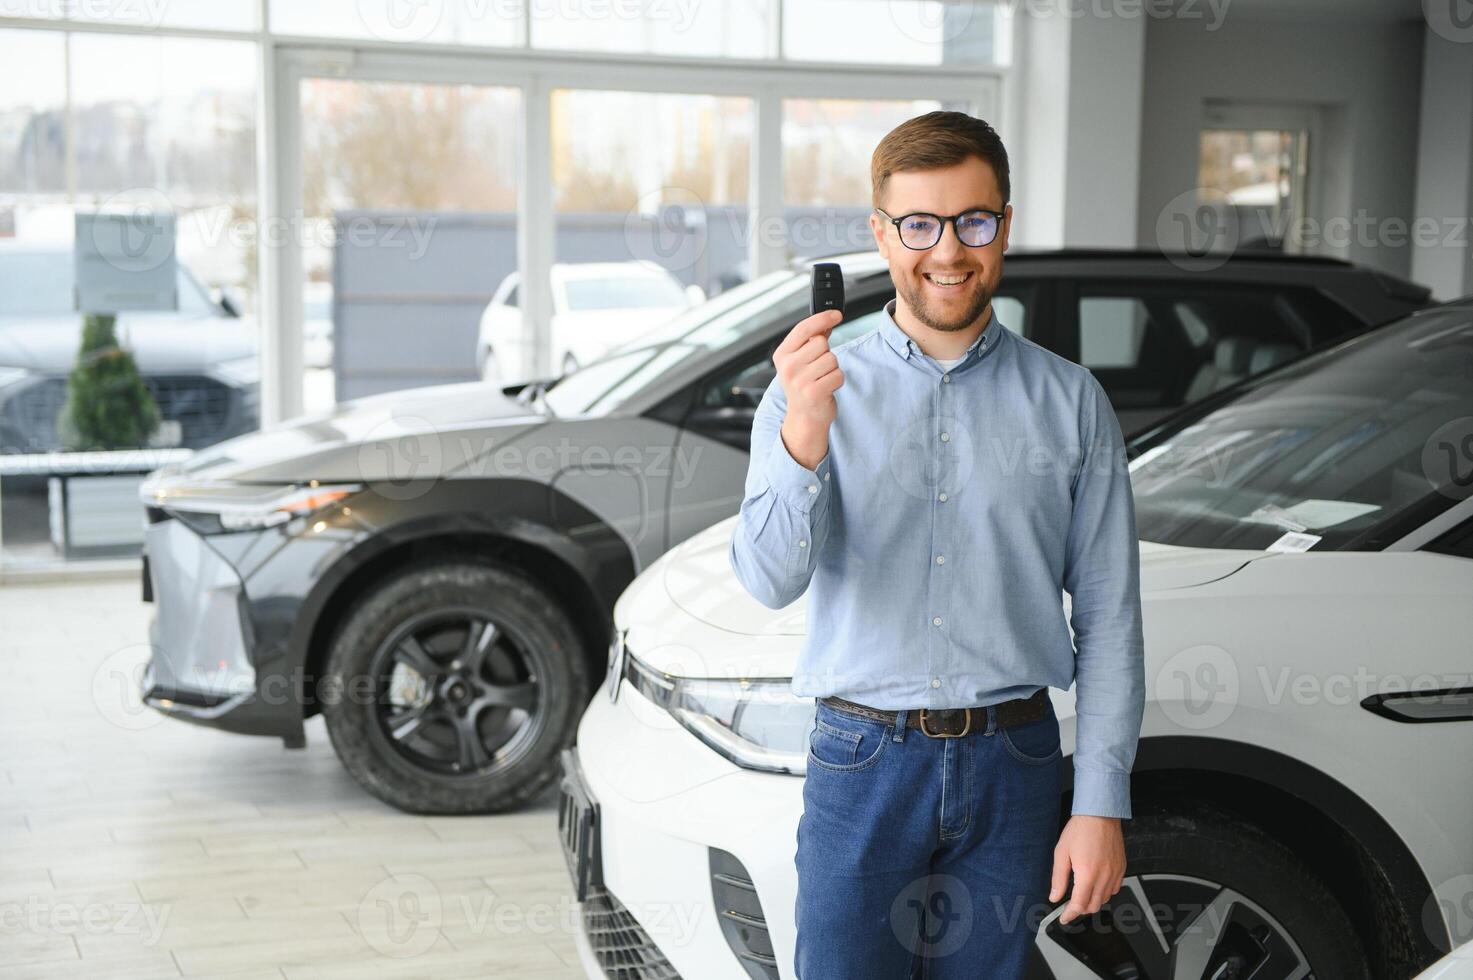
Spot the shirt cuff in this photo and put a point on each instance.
(1101, 793)
(799, 486)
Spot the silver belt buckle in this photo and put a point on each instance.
(926, 731)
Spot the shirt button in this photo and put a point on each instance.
(813, 488)
(941, 559)
(935, 682)
(946, 379)
(802, 544)
(941, 497)
(945, 437)
(936, 621)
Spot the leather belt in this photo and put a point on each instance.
(953, 722)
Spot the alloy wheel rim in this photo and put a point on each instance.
(457, 693)
(1170, 927)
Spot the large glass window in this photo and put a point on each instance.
(827, 145)
(137, 126)
(902, 32)
(720, 29)
(650, 197)
(409, 194)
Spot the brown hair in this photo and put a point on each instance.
(938, 139)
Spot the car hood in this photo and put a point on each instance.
(160, 344)
(697, 577)
(399, 435)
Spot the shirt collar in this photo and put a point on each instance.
(904, 346)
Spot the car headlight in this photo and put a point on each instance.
(216, 508)
(10, 375)
(756, 723)
(239, 371)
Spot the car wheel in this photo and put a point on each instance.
(452, 687)
(1205, 896)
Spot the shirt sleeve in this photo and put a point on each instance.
(1102, 577)
(784, 516)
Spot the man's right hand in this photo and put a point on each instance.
(809, 373)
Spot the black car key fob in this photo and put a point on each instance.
(828, 288)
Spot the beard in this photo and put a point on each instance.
(936, 318)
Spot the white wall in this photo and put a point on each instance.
(1444, 258)
(1363, 76)
(1074, 129)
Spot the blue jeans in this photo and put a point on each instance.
(924, 857)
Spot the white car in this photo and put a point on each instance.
(1457, 965)
(596, 306)
(1306, 562)
(317, 324)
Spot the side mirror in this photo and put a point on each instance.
(228, 302)
(729, 424)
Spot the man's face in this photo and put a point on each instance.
(946, 191)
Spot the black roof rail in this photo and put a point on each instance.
(1242, 255)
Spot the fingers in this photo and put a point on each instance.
(817, 368)
(818, 323)
(1093, 887)
(1060, 882)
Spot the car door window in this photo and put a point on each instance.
(1157, 346)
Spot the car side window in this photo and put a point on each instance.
(511, 297)
(1015, 304)
(725, 404)
(1161, 345)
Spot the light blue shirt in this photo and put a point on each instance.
(937, 536)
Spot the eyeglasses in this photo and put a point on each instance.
(919, 230)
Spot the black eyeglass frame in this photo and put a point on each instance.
(944, 220)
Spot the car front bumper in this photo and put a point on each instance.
(695, 872)
(200, 667)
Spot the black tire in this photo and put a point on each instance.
(1182, 860)
(529, 684)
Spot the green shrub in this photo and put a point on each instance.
(107, 405)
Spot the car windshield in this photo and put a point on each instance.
(40, 284)
(624, 293)
(1325, 449)
(724, 321)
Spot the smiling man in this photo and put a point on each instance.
(937, 484)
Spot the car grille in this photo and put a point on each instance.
(740, 914)
(621, 946)
(201, 405)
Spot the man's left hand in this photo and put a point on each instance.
(1094, 849)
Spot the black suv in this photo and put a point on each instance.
(1160, 331)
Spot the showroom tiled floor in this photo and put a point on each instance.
(134, 847)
